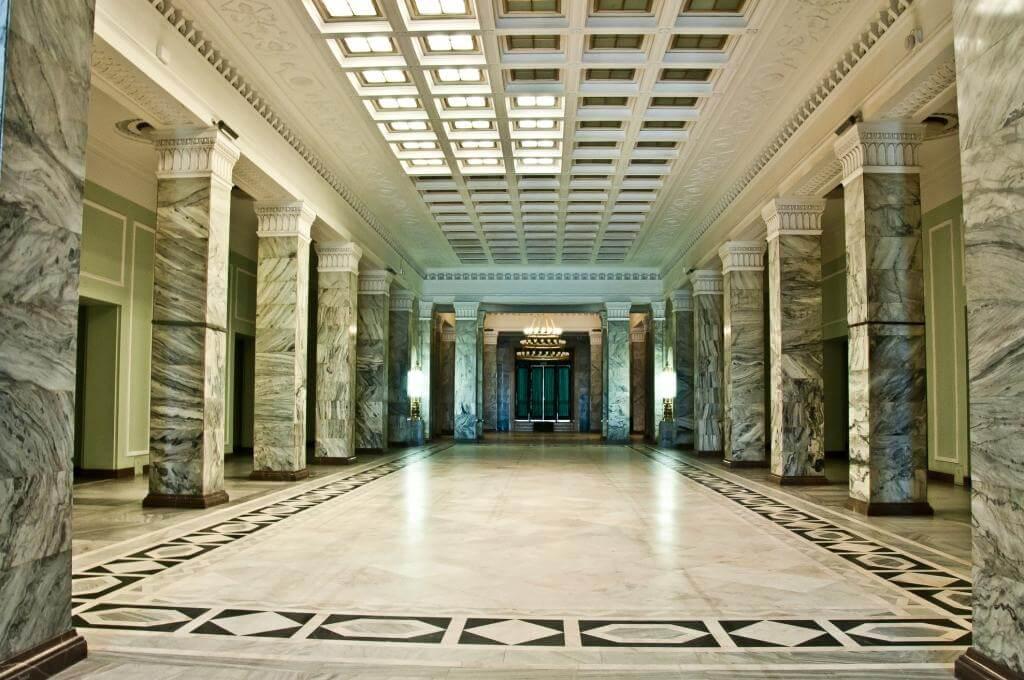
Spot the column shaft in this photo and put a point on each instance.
(400, 320)
(638, 377)
(372, 361)
(682, 311)
(490, 380)
(659, 363)
(596, 380)
(707, 362)
(186, 464)
(465, 371)
(617, 346)
(425, 357)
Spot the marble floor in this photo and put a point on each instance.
(523, 560)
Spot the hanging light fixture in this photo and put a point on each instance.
(543, 342)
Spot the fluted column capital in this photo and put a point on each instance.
(466, 311)
(682, 300)
(742, 256)
(887, 146)
(401, 300)
(706, 282)
(795, 215)
(283, 218)
(596, 337)
(338, 257)
(618, 311)
(658, 310)
(426, 310)
(195, 152)
(375, 282)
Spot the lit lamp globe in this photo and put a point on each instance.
(665, 388)
(417, 389)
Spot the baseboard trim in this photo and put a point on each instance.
(973, 665)
(91, 474)
(799, 480)
(889, 509)
(161, 500)
(708, 454)
(745, 463)
(47, 659)
(279, 475)
(334, 460)
(938, 476)
(370, 451)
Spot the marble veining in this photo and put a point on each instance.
(400, 319)
(617, 346)
(506, 360)
(596, 380)
(659, 362)
(425, 357)
(682, 356)
(337, 297)
(707, 361)
(465, 379)
(638, 380)
(490, 380)
(581, 380)
(372, 363)
(744, 416)
(445, 392)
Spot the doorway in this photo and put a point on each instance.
(245, 393)
(96, 390)
(543, 392)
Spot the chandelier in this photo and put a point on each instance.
(543, 342)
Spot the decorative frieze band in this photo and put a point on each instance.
(426, 310)
(204, 152)
(338, 257)
(798, 216)
(618, 311)
(682, 300)
(658, 310)
(490, 336)
(880, 147)
(466, 311)
(455, 275)
(706, 282)
(376, 282)
(277, 218)
(401, 301)
(742, 256)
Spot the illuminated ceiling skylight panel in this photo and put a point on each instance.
(713, 6)
(349, 9)
(361, 45)
(458, 74)
(440, 8)
(450, 43)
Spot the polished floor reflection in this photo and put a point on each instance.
(526, 560)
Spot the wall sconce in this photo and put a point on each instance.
(417, 388)
(665, 388)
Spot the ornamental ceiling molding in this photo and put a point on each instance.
(838, 72)
(188, 29)
(455, 275)
(126, 79)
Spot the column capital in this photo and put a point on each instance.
(658, 310)
(638, 334)
(283, 218)
(195, 152)
(707, 282)
(466, 311)
(618, 311)
(682, 300)
(448, 334)
(338, 257)
(794, 215)
(886, 146)
(596, 336)
(401, 300)
(426, 310)
(375, 282)
(490, 336)
(742, 256)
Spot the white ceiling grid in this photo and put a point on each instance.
(537, 131)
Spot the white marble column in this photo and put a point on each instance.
(400, 319)
(190, 295)
(425, 359)
(743, 424)
(659, 361)
(794, 308)
(45, 69)
(465, 370)
(707, 362)
(337, 300)
(987, 39)
(682, 356)
(490, 380)
(372, 361)
(885, 314)
(617, 346)
(596, 379)
(282, 323)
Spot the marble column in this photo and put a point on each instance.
(400, 319)
(682, 355)
(464, 400)
(282, 323)
(987, 39)
(604, 377)
(372, 361)
(885, 314)
(617, 384)
(190, 295)
(337, 301)
(596, 380)
(506, 383)
(659, 363)
(480, 376)
(45, 68)
(490, 380)
(638, 377)
(581, 385)
(743, 423)
(446, 379)
(794, 311)
(424, 358)
(707, 362)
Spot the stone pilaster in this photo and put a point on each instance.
(707, 362)
(885, 314)
(992, 165)
(490, 380)
(638, 377)
(337, 302)
(446, 379)
(372, 361)
(682, 355)
(794, 308)
(465, 370)
(425, 358)
(617, 346)
(282, 323)
(659, 360)
(400, 319)
(45, 102)
(596, 379)
(743, 424)
(480, 376)
(604, 376)
(190, 283)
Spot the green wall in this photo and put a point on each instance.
(241, 321)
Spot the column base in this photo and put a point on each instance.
(745, 463)
(973, 665)
(47, 659)
(88, 473)
(333, 460)
(889, 509)
(708, 454)
(799, 480)
(170, 500)
(280, 475)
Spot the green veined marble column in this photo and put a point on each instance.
(465, 385)
(617, 346)
(638, 377)
(743, 423)
(596, 379)
(490, 380)
(372, 361)
(682, 355)
(659, 363)
(426, 348)
(604, 376)
(400, 319)
(337, 300)
(885, 314)
(190, 295)
(707, 362)
(987, 37)
(282, 322)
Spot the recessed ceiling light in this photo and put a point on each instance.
(376, 43)
(440, 7)
(531, 101)
(455, 75)
(377, 76)
(482, 161)
(427, 161)
(537, 161)
(351, 8)
(537, 143)
(472, 102)
(537, 124)
(397, 102)
(456, 42)
(472, 124)
(408, 125)
(418, 146)
(477, 144)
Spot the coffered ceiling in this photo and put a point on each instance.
(511, 132)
